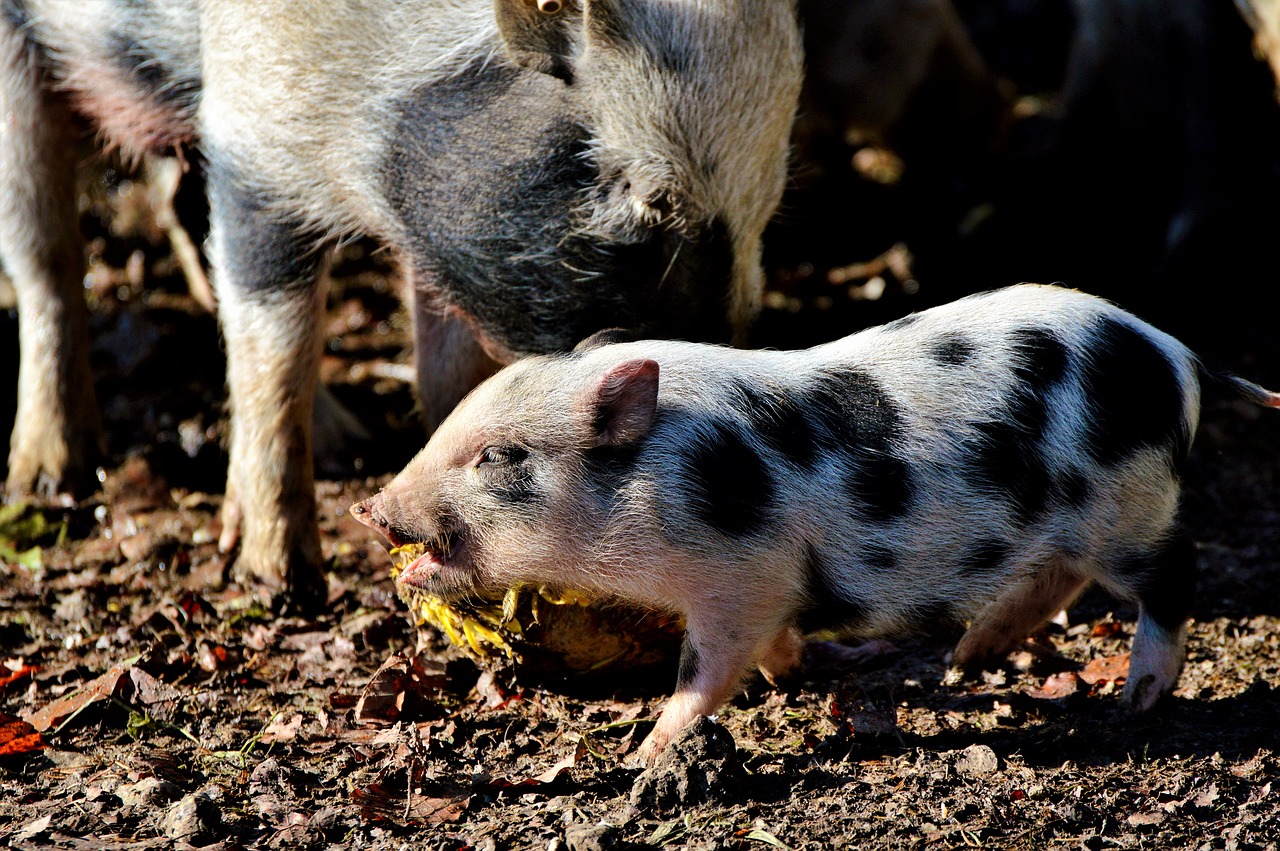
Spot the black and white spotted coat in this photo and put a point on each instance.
(981, 461)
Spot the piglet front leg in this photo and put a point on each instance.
(713, 660)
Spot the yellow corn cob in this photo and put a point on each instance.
(481, 625)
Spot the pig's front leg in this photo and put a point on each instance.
(56, 434)
(269, 280)
(713, 660)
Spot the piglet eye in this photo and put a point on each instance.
(498, 455)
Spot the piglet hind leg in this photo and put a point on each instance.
(1165, 585)
(269, 279)
(1018, 612)
(784, 658)
(57, 436)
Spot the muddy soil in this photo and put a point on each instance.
(173, 711)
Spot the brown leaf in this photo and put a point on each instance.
(159, 699)
(65, 708)
(17, 737)
(216, 657)
(402, 687)
(1109, 668)
(22, 671)
(283, 731)
(376, 801)
(1207, 796)
(1059, 685)
(1141, 819)
(559, 768)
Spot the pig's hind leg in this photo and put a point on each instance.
(1162, 584)
(1018, 612)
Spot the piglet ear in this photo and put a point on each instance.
(536, 34)
(625, 402)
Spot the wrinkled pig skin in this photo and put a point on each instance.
(539, 172)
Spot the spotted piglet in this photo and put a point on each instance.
(981, 461)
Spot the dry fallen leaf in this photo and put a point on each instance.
(1059, 685)
(400, 687)
(281, 730)
(1153, 817)
(64, 709)
(376, 801)
(19, 672)
(17, 737)
(1108, 668)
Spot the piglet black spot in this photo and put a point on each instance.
(1040, 359)
(878, 558)
(1007, 462)
(777, 417)
(881, 485)
(272, 255)
(731, 489)
(827, 607)
(952, 349)
(1135, 394)
(859, 420)
(1073, 488)
(984, 557)
(1007, 454)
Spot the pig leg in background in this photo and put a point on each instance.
(790, 652)
(1164, 587)
(784, 656)
(1024, 608)
(164, 176)
(270, 285)
(57, 433)
(336, 431)
(450, 360)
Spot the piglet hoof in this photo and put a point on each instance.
(231, 517)
(1142, 693)
(647, 754)
(46, 485)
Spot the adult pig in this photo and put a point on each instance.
(980, 461)
(540, 170)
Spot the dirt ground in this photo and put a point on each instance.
(175, 712)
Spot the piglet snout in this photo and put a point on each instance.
(370, 512)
